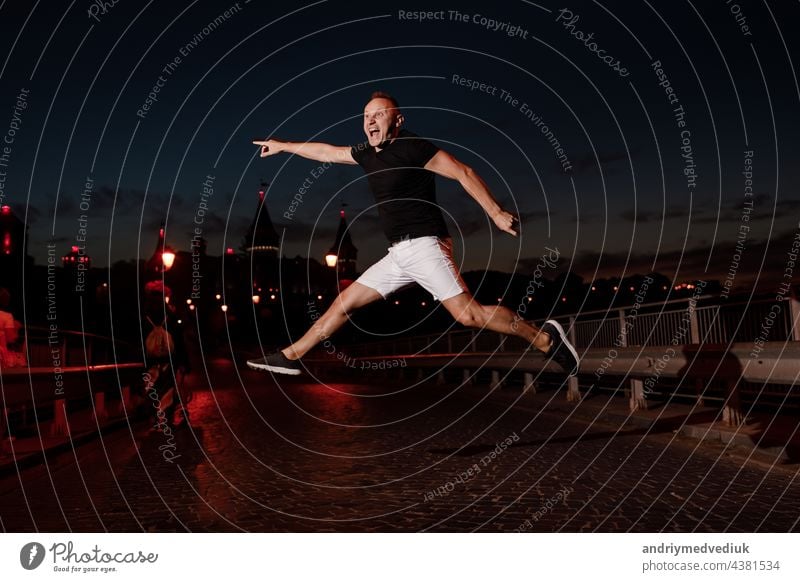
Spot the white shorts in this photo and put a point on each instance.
(427, 260)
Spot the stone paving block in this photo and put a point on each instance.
(305, 457)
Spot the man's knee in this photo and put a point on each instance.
(470, 317)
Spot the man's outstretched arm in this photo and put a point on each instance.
(321, 152)
(446, 165)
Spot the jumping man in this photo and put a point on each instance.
(400, 169)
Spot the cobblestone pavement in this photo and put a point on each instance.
(383, 455)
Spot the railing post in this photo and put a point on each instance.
(496, 383)
(731, 409)
(59, 426)
(693, 326)
(529, 386)
(125, 400)
(573, 391)
(623, 330)
(466, 378)
(572, 334)
(637, 400)
(100, 412)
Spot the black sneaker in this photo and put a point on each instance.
(277, 363)
(561, 351)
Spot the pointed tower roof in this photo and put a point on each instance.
(261, 236)
(344, 247)
(156, 263)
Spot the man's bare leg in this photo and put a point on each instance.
(352, 298)
(550, 339)
(466, 311)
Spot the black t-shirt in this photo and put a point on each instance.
(404, 190)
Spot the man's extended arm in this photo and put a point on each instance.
(446, 165)
(321, 152)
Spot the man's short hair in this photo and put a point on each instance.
(384, 95)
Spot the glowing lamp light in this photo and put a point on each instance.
(229, 251)
(166, 299)
(188, 302)
(191, 308)
(397, 302)
(423, 304)
(256, 299)
(319, 297)
(330, 259)
(168, 258)
(218, 296)
(5, 209)
(272, 297)
(224, 307)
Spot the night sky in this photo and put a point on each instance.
(647, 180)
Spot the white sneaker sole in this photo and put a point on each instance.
(567, 343)
(256, 365)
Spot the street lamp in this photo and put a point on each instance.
(168, 258)
(331, 258)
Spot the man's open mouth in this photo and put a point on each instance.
(373, 132)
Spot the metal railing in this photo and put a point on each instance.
(651, 324)
(68, 371)
(640, 337)
(75, 348)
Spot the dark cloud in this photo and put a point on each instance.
(33, 212)
(655, 215)
(697, 262)
(589, 163)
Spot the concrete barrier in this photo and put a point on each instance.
(37, 388)
(775, 363)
